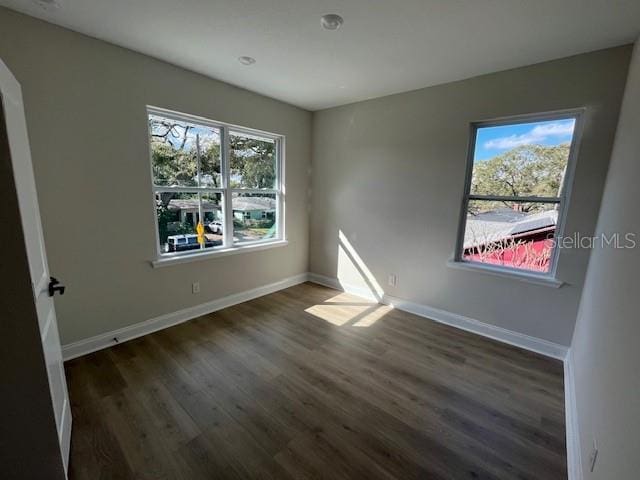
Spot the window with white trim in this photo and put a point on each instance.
(215, 186)
(518, 178)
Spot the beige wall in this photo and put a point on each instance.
(605, 355)
(85, 104)
(389, 174)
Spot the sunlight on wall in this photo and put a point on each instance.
(347, 309)
(353, 272)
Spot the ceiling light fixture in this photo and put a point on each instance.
(246, 60)
(331, 21)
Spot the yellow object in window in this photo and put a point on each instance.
(200, 231)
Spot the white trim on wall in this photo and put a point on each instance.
(574, 453)
(104, 340)
(344, 287)
(562, 199)
(229, 245)
(517, 339)
(108, 339)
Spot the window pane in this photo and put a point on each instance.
(254, 217)
(178, 214)
(175, 145)
(523, 159)
(511, 234)
(253, 161)
(212, 208)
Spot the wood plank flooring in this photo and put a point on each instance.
(313, 383)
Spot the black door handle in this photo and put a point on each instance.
(54, 286)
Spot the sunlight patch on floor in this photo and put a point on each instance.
(346, 298)
(348, 310)
(336, 314)
(376, 314)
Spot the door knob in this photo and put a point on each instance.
(54, 286)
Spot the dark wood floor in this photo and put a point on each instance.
(313, 383)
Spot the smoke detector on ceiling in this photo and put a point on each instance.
(246, 60)
(331, 21)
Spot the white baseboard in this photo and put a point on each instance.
(104, 340)
(544, 347)
(344, 287)
(521, 340)
(574, 455)
(504, 335)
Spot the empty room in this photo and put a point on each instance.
(309, 239)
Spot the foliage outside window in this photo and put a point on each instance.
(214, 185)
(516, 191)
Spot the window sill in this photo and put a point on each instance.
(536, 279)
(167, 260)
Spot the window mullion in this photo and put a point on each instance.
(280, 199)
(226, 184)
(200, 219)
(164, 189)
(255, 190)
(507, 198)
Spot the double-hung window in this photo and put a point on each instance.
(215, 186)
(518, 179)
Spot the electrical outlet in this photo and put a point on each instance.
(593, 456)
(393, 280)
(195, 287)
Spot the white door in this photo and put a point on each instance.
(11, 95)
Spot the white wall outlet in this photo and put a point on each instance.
(593, 456)
(393, 280)
(195, 287)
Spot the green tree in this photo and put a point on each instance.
(175, 147)
(527, 170)
(252, 162)
(174, 153)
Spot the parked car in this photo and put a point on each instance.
(215, 227)
(180, 243)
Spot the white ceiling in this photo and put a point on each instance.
(384, 46)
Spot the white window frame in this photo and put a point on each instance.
(228, 246)
(562, 200)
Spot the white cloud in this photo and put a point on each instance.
(554, 129)
(537, 134)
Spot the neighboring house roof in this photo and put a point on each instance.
(264, 204)
(188, 204)
(495, 225)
